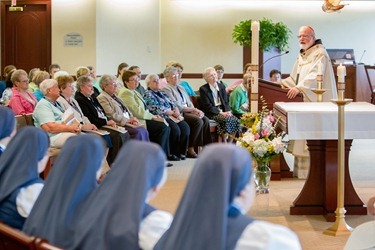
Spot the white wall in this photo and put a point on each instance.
(149, 33)
(73, 16)
(127, 31)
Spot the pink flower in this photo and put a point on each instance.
(256, 136)
(265, 132)
(271, 118)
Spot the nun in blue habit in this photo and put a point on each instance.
(7, 127)
(71, 180)
(212, 211)
(20, 165)
(117, 214)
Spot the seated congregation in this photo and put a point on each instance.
(120, 109)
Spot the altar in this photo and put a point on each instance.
(316, 122)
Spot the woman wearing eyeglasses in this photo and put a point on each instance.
(22, 101)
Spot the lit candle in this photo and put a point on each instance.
(320, 67)
(341, 73)
(255, 42)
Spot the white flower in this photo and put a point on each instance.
(260, 147)
(248, 137)
(278, 145)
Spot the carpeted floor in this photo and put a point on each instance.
(274, 207)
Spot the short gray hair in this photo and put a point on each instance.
(205, 73)
(168, 70)
(47, 84)
(105, 79)
(149, 77)
(82, 80)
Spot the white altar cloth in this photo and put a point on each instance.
(319, 120)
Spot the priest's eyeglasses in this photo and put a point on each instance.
(303, 36)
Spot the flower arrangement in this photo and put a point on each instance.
(261, 139)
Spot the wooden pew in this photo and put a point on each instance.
(13, 239)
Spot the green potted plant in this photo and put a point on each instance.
(271, 35)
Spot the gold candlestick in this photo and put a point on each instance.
(319, 91)
(340, 227)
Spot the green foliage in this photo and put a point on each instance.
(270, 35)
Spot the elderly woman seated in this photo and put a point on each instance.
(215, 104)
(22, 100)
(238, 99)
(95, 113)
(116, 110)
(158, 103)
(48, 115)
(67, 101)
(158, 130)
(199, 124)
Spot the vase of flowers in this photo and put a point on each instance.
(263, 143)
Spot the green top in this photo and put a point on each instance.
(32, 87)
(237, 98)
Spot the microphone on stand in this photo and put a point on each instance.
(360, 60)
(286, 52)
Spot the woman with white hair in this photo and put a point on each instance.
(48, 115)
(214, 102)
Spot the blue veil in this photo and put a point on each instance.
(113, 212)
(201, 219)
(71, 180)
(19, 162)
(7, 122)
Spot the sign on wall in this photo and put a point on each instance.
(73, 39)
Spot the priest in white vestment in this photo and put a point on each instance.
(302, 79)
